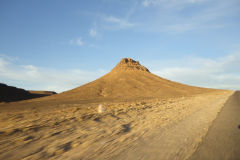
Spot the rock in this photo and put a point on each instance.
(101, 109)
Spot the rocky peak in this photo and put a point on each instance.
(128, 64)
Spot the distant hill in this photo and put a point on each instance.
(10, 94)
(129, 80)
(47, 93)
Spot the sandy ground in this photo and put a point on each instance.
(153, 129)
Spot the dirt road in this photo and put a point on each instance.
(222, 141)
(179, 140)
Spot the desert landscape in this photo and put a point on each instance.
(129, 113)
(119, 80)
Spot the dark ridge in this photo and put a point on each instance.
(11, 94)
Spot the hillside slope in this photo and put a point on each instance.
(130, 80)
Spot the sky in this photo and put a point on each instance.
(62, 44)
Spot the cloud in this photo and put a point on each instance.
(118, 23)
(93, 32)
(220, 73)
(36, 78)
(78, 41)
(169, 3)
(146, 3)
(170, 15)
(3, 64)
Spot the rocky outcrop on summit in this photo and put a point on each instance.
(128, 64)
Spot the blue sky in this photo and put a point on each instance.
(59, 44)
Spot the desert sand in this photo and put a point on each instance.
(142, 116)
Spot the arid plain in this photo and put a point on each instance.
(128, 113)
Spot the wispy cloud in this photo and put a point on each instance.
(118, 23)
(93, 32)
(171, 16)
(169, 3)
(38, 78)
(215, 73)
(202, 14)
(78, 41)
